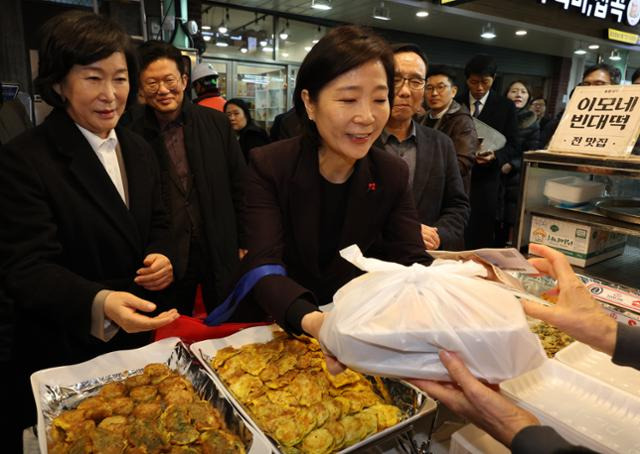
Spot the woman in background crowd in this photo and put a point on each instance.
(83, 232)
(528, 139)
(250, 135)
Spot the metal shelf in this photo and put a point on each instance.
(605, 223)
(630, 164)
(623, 269)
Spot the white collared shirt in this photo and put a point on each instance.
(105, 149)
(472, 101)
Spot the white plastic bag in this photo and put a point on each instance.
(393, 320)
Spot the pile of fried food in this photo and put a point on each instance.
(553, 340)
(285, 386)
(157, 411)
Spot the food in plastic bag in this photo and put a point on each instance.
(393, 320)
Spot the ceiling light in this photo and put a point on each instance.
(594, 46)
(263, 42)
(244, 50)
(422, 13)
(223, 24)
(307, 48)
(381, 12)
(615, 55)
(284, 33)
(206, 27)
(322, 5)
(488, 32)
(285, 54)
(206, 38)
(521, 32)
(580, 51)
(221, 43)
(267, 49)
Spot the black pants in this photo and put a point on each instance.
(182, 293)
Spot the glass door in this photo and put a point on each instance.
(264, 88)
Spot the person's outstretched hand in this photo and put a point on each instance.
(576, 312)
(311, 324)
(483, 406)
(122, 308)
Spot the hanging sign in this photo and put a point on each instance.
(620, 11)
(600, 120)
(623, 37)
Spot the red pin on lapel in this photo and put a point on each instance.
(371, 187)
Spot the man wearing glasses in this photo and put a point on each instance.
(202, 171)
(447, 115)
(438, 191)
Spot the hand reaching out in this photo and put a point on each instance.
(122, 308)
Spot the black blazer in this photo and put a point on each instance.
(282, 216)
(218, 169)
(65, 234)
(438, 189)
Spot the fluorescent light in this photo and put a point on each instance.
(263, 42)
(594, 46)
(267, 49)
(488, 32)
(381, 12)
(223, 28)
(521, 32)
(284, 35)
(206, 27)
(307, 48)
(323, 5)
(206, 37)
(244, 50)
(285, 54)
(580, 52)
(615, 55)
(422, 13)
(222, 44)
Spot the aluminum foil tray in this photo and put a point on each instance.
(62, 388)
(413, 402)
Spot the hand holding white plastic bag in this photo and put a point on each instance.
(393, 320)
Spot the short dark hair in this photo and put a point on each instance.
(79, 38)
(540, 98)
(635, 75)
(398, 48)
(614, 73)
(481, 64)
(339, 51)
(155, 50)
(243, 105)
(526, 87)
(442, 70)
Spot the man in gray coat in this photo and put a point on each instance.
(438, 191)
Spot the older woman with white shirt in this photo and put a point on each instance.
(83, 233)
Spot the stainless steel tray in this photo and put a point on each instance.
(61, 388)
(413, 402)
(627, 209)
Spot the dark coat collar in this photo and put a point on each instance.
(90, 173)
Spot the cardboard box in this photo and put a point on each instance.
(582, 244)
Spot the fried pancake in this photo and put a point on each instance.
(173, 383)
(344, 378)
(121, 406)
(333, 409)
(107, 442)
(157, 372)
(336, 429)
(115, 424)
(354, 429)
(319, 441)
(69, 418)
(306, 388)
(286, 362)
(369, 421)
(113, 390)
(386, 415)
(148, 410)
(321, 411)
(247, 388)
(223, 355)
(143, 393)
(95, 408)
(179, 396)
(144, 434)
(286, 431)
(137, 380)
(282, 398)
(220, 442)
(282, 380)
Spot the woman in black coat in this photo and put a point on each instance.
(250, 135)
(528, 139)
(83, 232)
(310, 196)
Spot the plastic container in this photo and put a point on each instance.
(572, 191)
(598, 365)
(583, 409)
(473, 440)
